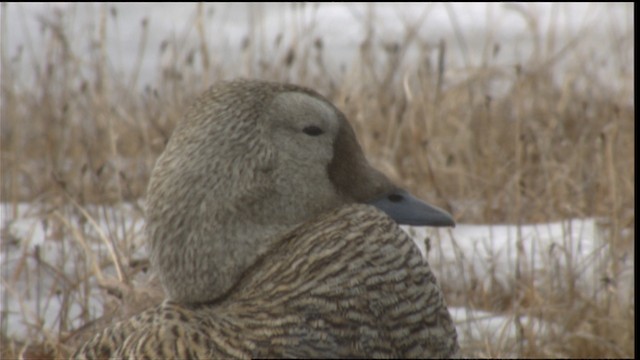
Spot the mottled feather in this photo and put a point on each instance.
(348, 284)
(259, 232)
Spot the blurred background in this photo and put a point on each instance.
(501, 113)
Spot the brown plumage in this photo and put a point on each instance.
(260, 243)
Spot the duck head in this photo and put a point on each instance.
(250, 161)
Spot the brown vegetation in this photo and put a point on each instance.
(77, 137)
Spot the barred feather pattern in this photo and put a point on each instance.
(349, 283)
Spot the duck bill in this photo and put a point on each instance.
(406, 209)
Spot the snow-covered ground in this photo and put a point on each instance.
(36, 265)
(487, 256)
(45, 254)
(46, 251)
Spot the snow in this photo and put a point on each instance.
(46, 250)
(487, 255)
(45, 254)
(472, 31)
(482, 254)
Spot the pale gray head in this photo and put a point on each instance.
(249, 161)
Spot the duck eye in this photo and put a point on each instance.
(312, 130)
(395, 197)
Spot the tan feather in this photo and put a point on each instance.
(258, 236)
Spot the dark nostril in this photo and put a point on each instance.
(395, 197)
(312, 130)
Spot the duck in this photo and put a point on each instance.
(273, 236)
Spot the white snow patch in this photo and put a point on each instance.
(37, 266)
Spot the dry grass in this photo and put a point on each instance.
(77, 137)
